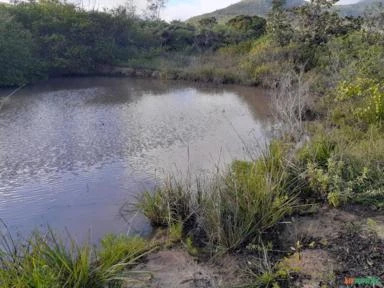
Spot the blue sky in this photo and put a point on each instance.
(176, 9)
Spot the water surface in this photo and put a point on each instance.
(72, 151)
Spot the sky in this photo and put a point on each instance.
(180, 9)
(176, 9)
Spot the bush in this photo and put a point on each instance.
(318, 151)
(342, 166)
(364, 100)
(266, 61)
(16, 49)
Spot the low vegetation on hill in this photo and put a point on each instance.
(261, 8)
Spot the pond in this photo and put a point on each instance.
(74, 150)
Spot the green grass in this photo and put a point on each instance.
(169, 204)
(44, 261)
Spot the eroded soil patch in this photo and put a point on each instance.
(177, 269)
(335, 244)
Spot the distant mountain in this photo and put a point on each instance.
(356, 9)
(262, 7)
(245, 7)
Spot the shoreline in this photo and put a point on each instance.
(144, 73)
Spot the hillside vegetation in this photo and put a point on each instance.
(263, 7)
(51, 38)
(246, 7)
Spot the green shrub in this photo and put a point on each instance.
(341, 166)
(16, 52)
(364, 99)
(318, 150)
(329, 182)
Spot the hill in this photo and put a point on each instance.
(262, 7)
(356, 9)
(245, 7)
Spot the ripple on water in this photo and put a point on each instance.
(73, 150)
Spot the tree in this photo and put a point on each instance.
(250, 26)
(208, 22)
(127, 10)
(154, 8)
(130, 7)
(16, 55)
(178, 36)
(279, 25)
(316, 23)
(374, 23)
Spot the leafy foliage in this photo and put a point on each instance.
(16, 49)
(49, 38)
(365, 98)
(252, 26)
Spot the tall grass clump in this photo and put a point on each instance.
(169, 204)
(232, 209)
(252, 198)
(45, 261)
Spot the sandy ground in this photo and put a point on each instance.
(177, 269)
(333, 244)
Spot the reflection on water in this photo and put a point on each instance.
(73, 150)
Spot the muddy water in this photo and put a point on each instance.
(72, 151)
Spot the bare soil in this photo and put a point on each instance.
(177, 269)
(321, 250)
(335, 244)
